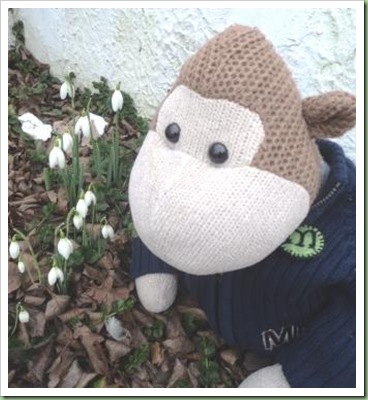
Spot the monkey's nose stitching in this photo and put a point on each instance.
(218, 153)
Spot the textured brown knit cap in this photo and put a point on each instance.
(240, 65)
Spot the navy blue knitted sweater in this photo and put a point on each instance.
(298, 304)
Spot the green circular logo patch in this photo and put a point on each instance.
(305, 242)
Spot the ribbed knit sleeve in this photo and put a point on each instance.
(144, 262)
(324, 354)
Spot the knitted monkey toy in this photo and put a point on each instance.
(237, 198)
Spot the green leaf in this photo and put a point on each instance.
(77, 258)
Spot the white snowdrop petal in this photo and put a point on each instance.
(57, 158)
(86, 129)
(82, 208)
(60, 275)
(77, 221)
(23, 316)
(98, 123)
(52, 276)
(78, 126)
(67, 142)
(115, 328)
(117, 100)
(65, 247)
(63, 90)
(107, 231)
(21, 267)
(89, 198)
(14, 250)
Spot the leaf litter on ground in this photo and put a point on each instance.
(66, 343)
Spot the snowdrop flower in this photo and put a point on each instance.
(35, 127)
(117, 99)
(77, 220)
(67, 142)
(14, 249)
(65, 247)
(21, 267)
(23, 316)
(98, 125)
(107, 231)
(66, 89)
(82, 208)
(115, 328)
(90, 198)
(55, 274)
(57, 157)
(82, 126)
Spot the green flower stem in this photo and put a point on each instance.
(84, 234)
(56, 233)
(116, 148)
(35, 263)
(17, 310)
(70, 214)
(93, 221)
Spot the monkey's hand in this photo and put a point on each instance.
(268, 377)
(157, 291)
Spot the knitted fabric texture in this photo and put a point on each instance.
(302, 310)
(240, 65)
(203, 219)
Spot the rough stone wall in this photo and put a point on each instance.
(144, 48)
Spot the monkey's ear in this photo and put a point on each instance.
(329, 115)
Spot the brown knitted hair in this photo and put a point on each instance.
(240, 65)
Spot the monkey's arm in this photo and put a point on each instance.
(157, 291)
(156, 281)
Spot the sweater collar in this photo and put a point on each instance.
(334, 156)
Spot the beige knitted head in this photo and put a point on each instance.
(230, 167)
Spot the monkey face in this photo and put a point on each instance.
(196, 200)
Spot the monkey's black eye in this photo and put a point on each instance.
(218, 153)
(172, 132)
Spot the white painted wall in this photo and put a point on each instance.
(144, 48)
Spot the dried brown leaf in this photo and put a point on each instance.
(13, 277)
(92, 343)
(66, 339)
(116, 350)
(37, 324)
(143, 318)
(174, 327)
(73, 313)
(43, 362)
(105, 261)
(52, 196)
(62, 203)
(230, 356)
(33, 300)
(85, 379)
(23, 334)
(195, 311)
(157, 353)
(180, 344)
(60, 367)
(96, 274)
(11, 375)
(179, 372)
(73, 376)
(56, 306)
(106, 294)
(194, 374)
